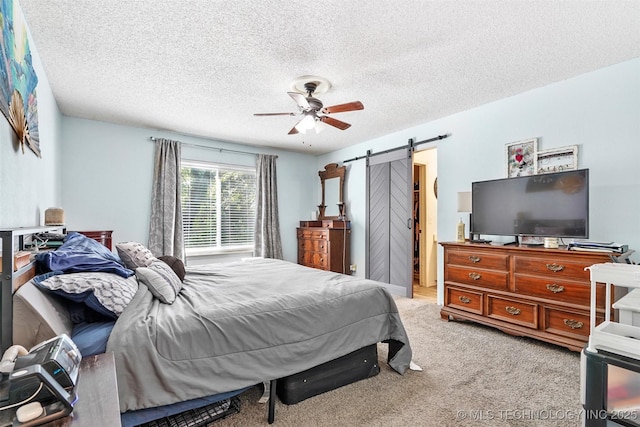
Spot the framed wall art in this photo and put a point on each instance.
(18, 100)
(558, 159)
(521, 157)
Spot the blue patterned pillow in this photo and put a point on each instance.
(106, 293)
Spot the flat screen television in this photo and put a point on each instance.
(547, 205)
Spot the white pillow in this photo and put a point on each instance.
(161, 280)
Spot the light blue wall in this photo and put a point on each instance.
(28, 184)
(101, 173)
(107, 173)
(598, 111)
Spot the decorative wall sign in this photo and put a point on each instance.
(521, 158)
(18, 79)
(558, 159)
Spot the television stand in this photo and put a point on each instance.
(534, 292)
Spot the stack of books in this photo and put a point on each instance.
(595, 246)
(20, 259)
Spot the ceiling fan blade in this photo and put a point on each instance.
(274, 114)
(341, 108)
(335, 123)
(294, 129)
(300, 99)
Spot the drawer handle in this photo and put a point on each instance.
(573, 324)
(555, 288)
(474, 259)
(465, 300)
(555, 267)
(512, 310)
(475, 276)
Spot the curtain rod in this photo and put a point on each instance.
(189, 144)
(410, 144)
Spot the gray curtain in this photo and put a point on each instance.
(165, 230)
(267, 233)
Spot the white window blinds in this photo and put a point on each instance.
(218, 206)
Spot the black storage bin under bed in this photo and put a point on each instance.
(356, 366)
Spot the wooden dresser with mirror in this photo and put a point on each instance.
(325, 243)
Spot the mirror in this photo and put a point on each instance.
(332, 196)
(332, 181)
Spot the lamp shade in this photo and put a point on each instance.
(464, 201)
(54, 216)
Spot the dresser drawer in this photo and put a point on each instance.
(557, 268)
(560, 290)
(313, 245)
(310, 233)
(314, 259)
(478, 277)
(513, 311)
(478, 260)
(569, 323)
(463, 299)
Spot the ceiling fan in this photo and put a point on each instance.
(310, 107)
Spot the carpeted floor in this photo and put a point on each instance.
(472, 376)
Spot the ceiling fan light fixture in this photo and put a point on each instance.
(307, 123)
(303, 94)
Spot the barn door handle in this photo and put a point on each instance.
(409, 222)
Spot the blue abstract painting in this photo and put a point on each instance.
(18, 79)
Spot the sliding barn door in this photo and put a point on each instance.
(390, 220)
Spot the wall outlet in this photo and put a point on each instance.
(352, 268)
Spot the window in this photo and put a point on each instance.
(218, 207)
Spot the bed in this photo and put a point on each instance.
(221, 329)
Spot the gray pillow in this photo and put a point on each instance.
(161, 280)
(134, 255)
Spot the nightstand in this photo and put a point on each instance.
(97, 391)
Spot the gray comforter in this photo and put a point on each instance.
(237, 324)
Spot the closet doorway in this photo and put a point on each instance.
(425, 215)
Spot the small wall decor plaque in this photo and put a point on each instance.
(558, 159)
(521, 157)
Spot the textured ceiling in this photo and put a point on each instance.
(203, 67)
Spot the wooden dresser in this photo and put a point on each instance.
(535, 292)
(325, 245)
(102, 236)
